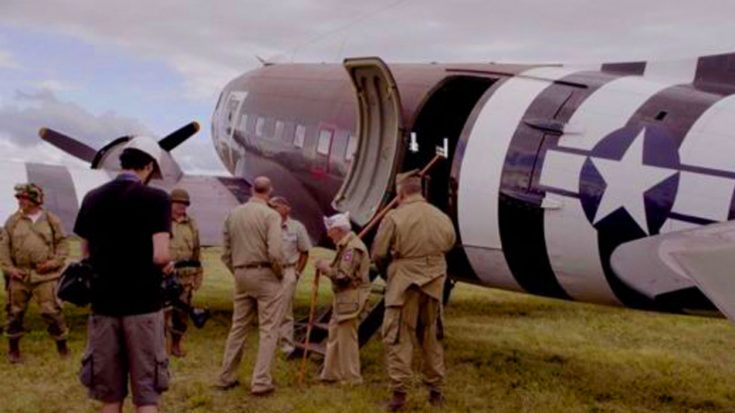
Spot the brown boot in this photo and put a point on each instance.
(177, 349)
(436, 398)
(14, 351)
(62, 348)
(397, 402)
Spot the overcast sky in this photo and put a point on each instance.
(99, 70)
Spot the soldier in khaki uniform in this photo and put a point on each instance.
(186, 265)
(411, 242)
(296, 246)
(253, 252)
(349, 273)
(33, 251)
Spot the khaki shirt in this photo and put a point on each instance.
(350, 275)
(185, 243)
(252, 236)
(413, 239)
(295, 241)
(24, 245)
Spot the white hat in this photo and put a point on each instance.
(150, 147)
(338, 221)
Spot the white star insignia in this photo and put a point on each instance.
(627, 181)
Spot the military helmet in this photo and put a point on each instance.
(180, 195)
(30, 191)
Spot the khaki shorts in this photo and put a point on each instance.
(119, 348)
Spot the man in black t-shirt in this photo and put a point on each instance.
(125, 229)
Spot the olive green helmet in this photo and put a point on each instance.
(181, 196)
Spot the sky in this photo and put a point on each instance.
(98, 70)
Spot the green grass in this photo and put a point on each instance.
(505, 352)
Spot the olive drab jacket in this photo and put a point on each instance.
(350, 275)
(185, 246)
(26, 245)
(412, 240)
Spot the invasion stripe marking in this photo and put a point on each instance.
(483, 163)
(522, 203)
(682, 71)
(574, 247)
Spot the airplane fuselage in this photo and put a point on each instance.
(550, 169)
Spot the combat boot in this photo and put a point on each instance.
(14, 351)
(176, 349)
(397, 402)
(62, 348)
(436, 398)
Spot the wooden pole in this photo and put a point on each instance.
(379, 217)
(310, 326)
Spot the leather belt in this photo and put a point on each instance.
(257, 265)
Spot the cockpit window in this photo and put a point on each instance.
(243, 122)
(351, 147)
(298, 140)
(325, 141)
(279, 130)
(259, 124)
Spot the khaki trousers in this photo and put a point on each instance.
(44, 293)
(257, 293)
(342, 360)
(285, 330)
(416, 320)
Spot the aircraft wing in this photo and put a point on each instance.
(212, 196)
(703, 257)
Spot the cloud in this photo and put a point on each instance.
(54, 85)
(7, 61)
(209, 43)
(21, 119)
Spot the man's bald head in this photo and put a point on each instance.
(262, 186)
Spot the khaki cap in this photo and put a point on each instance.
(181, 196)
(403, 176)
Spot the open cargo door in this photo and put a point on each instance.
(380, 134)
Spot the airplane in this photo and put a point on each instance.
(609, 183)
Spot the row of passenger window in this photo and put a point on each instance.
(296, 134)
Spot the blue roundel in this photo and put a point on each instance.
(630, 178)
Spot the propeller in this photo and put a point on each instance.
(86, 153)
(178, 136)
(68, 144)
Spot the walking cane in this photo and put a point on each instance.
(312, 312)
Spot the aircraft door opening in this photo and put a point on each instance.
(442, 117)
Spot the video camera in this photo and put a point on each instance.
(172, 289)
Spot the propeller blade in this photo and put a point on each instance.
(68, 144)
(178, 136)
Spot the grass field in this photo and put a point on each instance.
(505, 352)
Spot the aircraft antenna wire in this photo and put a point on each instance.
(293, 50)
